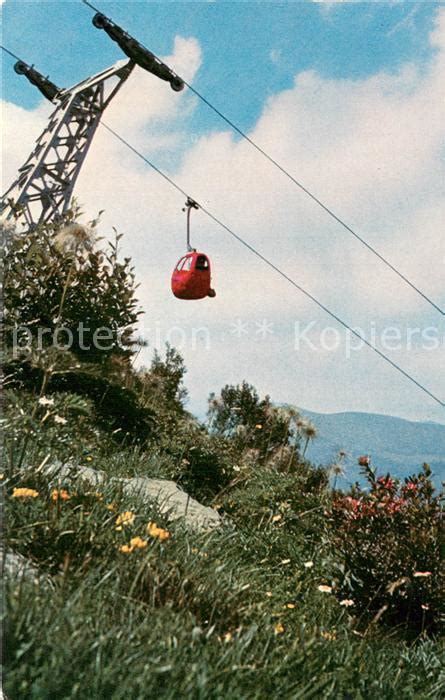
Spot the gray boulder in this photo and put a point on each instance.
(172, 502)
(16, 567)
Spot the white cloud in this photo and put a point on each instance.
(369, 148)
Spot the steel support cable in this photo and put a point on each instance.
(90, 5)
(275, 267)
(10, 53)
(315, 199)
(304, 189)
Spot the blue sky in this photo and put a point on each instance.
(252, 49)
(347, 96)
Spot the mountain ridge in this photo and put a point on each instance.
(395, 444)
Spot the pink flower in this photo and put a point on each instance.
(386, 482)
(364, 460)
(396, 505)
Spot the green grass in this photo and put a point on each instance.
(92, 642)
(229, 614)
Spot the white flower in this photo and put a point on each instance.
(347, 603)
(60, 420)
(325, 589)
(74, 237)
(43, 401)
(308, 564)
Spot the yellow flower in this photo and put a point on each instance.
(111, 506)
(291, 606)
(330, 636)
(24, 493)
(276, 518)
(124, 519)
(279, 629)
(258, 426)
(126, 549)
(269, 594)
(88, 459)
(135, 543)
(325, 589)
(157, 532)
(61, 495)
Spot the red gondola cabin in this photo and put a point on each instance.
(191, 277)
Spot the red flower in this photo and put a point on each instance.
(364, 460)
(386, 482)
(396, 505)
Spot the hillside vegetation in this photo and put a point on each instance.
(302, 592)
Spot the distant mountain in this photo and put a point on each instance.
(396, 445)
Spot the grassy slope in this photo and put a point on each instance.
(229, 614)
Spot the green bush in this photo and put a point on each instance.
(60, 286)
(292, 505)
(389, 541)
(56, 278)
(254, 425)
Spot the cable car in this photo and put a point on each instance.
(191, 277)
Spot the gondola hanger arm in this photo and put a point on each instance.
(189, 205)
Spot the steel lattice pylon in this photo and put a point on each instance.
(43, 189)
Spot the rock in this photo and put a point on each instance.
(16, 566)
(172, 502)
(94, 477)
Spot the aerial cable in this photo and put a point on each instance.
(10, 53)
(46, 87)
(303, 188)
(90, 5)
(314, 198)
(273, 266)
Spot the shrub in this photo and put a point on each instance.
(294, 503)
(60, 289)
(55, 278)
(254, 424)
(389, 540)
